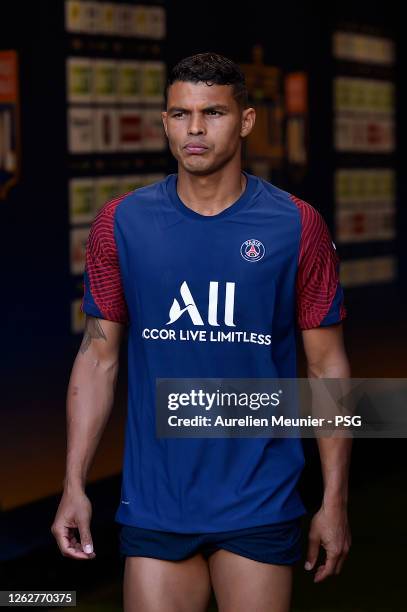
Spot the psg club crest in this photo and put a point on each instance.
(252, 250)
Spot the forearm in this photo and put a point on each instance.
(335, 454)
(90, 399)
(334, 451)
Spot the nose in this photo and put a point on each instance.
(196, 125)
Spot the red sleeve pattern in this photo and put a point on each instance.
(318, 291)
(103, 291)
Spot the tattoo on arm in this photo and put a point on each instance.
(93, 329)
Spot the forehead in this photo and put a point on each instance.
(187, 94)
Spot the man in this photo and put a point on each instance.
(210, 248)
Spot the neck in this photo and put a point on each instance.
(212, 193)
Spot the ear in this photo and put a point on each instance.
(248, 121)
(164, 119)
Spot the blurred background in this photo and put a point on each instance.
(81, 86)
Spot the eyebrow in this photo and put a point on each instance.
(220, 107)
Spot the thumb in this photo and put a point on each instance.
(85, 536)
(312, 552)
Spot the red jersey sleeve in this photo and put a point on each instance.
(103, 294)
(319, 294)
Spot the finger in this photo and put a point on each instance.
(341, 561)
(343, 555)
(327, 569)
(85, 536)
(72, 539)
(74, 550)
(63, 537)
(312, 552)
(78, 548)
(339, 565)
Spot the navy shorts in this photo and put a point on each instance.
(279, 543)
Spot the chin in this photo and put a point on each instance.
(201, 167)
(198, 166)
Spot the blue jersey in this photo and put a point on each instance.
(247, 276)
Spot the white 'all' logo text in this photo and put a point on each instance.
(176, 311)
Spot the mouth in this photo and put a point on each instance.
(195, 149)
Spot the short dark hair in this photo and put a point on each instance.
(212, 69)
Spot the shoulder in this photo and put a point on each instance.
(311, 218)
(316, 237)
(142, 202)
(314, 229)
(101, 234)
(308, 215)
(314, 233)
(107, 211)
(274, 193)
(141, 196)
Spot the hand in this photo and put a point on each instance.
(74, 512)
(329, 528)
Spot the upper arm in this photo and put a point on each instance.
(102, 340)
(319, 294)
(103, 299)
(103, 291)
(325, 351)
(320, 307)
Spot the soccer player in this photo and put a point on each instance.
(217, 250)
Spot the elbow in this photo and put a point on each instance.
(99, 365)
(338, 367)
(105, 367)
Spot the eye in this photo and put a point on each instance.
(179, 114)
(213, 112)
